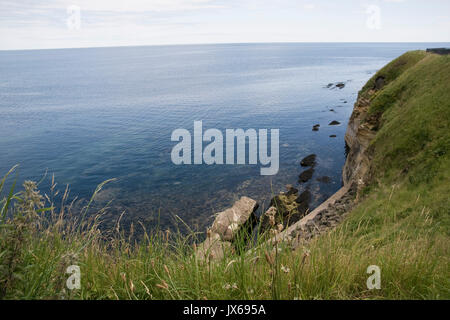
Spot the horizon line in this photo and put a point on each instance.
(232, 43)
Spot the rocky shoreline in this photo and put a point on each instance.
(288, 218)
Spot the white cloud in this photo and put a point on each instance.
(43, 24)
(145, 5)
(120, 5)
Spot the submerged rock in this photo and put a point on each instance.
(306, 175)
(324, 179)
(308, 161)
(333, 136)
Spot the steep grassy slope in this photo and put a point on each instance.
(401, 224)
(411, 149)
(403, 219)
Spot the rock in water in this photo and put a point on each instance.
(333, 86)
(228, 222)
(316, 127)
(305, 196)
(334, 123)
(324, 179)
(303, 201)
(290, 190)
(308, 161)
(306, 175)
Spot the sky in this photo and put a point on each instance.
(36, 24)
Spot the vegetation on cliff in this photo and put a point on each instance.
(401, 224)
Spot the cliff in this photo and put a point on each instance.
(383, 90)
(397, 138)
(399, 122)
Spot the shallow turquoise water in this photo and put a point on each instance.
(87, 115)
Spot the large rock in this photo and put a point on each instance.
(305, 196)
(303, 201)
(228, 223)
(269, 219)
(284, 210)
(213, 248)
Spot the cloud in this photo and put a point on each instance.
(43, 23)
(146, 5)
(113, 5)
(26, 14)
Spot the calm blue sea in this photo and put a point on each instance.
(87, 115)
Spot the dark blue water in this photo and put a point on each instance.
(87, 115)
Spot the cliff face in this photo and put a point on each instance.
(360, 132)
(382, 91)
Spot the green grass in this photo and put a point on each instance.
(401, 224)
